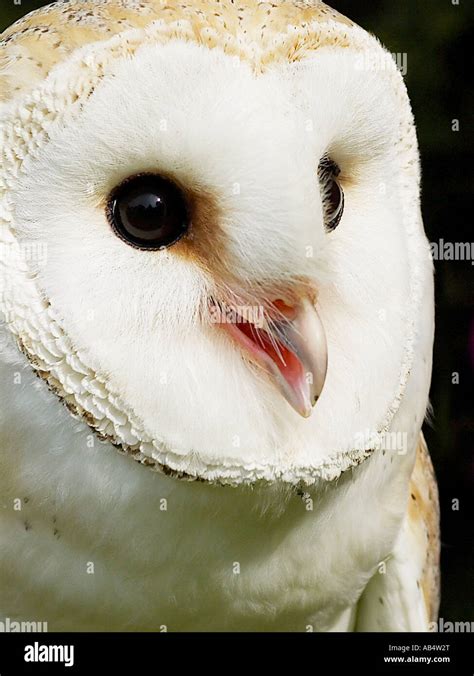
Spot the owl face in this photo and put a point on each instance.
(226, 292)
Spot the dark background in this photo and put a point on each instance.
(435, 36)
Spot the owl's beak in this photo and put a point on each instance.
(291, 348)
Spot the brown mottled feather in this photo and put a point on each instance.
(47, 36)
(423, 516)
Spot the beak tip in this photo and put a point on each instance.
(304, 410)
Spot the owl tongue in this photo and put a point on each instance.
(292, 350)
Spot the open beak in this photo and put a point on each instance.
(291, 348)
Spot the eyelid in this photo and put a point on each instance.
(329, 175)
(328, 165)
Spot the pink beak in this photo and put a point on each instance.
(291, 348)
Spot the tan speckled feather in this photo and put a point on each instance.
(31, 47)
(423, 515)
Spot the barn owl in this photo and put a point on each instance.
(217, 326)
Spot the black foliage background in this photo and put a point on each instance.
(437, 37)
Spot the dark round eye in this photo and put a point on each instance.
(331, 192)
(148, 211)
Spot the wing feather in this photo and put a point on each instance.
(423, 517)
(403, 595)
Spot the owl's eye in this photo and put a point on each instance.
(148, 212)
(331, 192)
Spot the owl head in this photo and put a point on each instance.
(212, 248)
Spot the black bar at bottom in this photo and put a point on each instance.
(133, 653)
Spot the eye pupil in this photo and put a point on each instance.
(335, 204)
(335, 196)
(144, 213)
(148, 212)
